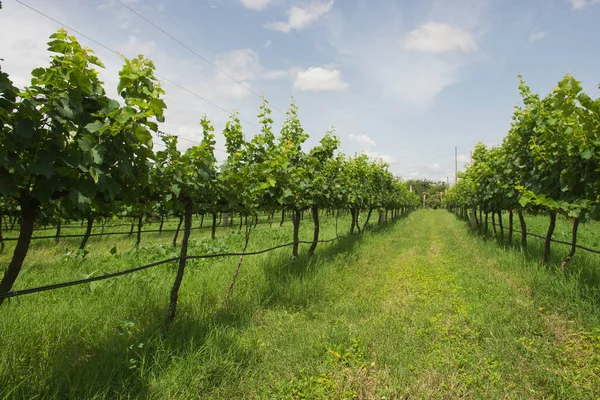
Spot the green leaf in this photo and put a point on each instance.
(85, 143)
(573, 213)
(38, 72)
(95, 126)
(95, 174)
(125, 115)
(45, 169)
(176, 190)
(61, 34)
(523, 201)
(95, 154)
(58, 46)
(143, 136)
(95, 60)
(79, 199)
(587, 154)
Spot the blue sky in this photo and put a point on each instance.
(404, 81)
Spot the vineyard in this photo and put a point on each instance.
(549, 163)
(133, 269)
(70, 153)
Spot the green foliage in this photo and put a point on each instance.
(550, 159)
(417, 309)
(421, 186)
(187, 178)
(69, 152)
(75, 151)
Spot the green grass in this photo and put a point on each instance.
(420, 308)
(588, 233)
(584, 267)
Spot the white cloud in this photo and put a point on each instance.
(319, 79)
(136, 46)
(301, 17)
(437, 38)
(410, 72)
(463, 158)
(27, 49)
(434, 172)
(535, 36)
(366, 144)
(281, 73)
(267, 43)
(403, 78)
(242, 65)
(386, 158)
(421, 81)
(581, 4)
(364, 141)
(435, 167)
(122, 16)
(256, 5)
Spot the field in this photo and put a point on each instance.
(420, 307)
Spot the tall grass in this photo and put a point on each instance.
(419, 308)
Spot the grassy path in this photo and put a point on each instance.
(470, 329)
(425, 311)
(418, 309)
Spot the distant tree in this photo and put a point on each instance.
(430, 188)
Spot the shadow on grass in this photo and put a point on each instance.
(202, 348)
(282, 273)
(584, 267)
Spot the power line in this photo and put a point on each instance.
(202, 98)
(187, 140)
(69, 28)
(214, 53)
(539, 13)
(195, 143)
(194, 52)
(593, 89)
(520, 46)
(119, 55)
(181, 28)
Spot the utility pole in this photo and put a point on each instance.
(455, 164)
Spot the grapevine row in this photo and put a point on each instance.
(69, 152)
(548, 163)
